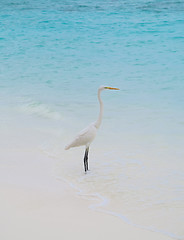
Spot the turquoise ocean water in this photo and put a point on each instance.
(54, 55)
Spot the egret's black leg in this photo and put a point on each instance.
(87, 151)
(86, 159)
(85, 162)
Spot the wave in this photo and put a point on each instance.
(40, 110)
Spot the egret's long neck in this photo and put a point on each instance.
(99, 120)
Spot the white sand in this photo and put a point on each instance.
(35, 205)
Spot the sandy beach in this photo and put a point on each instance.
(33, 204)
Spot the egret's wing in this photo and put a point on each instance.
(83, 137)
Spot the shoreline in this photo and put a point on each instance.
(102, 201)
(32, 213)
(37, 204)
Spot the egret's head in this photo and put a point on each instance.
(105, 88)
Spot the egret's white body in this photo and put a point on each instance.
(84, 137)
(87, 135)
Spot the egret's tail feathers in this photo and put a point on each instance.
(67, 147)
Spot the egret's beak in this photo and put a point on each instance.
(111, 88)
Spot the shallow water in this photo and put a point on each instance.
(54, 56)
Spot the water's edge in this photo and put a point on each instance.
(103, 201)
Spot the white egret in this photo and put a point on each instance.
(87, 135)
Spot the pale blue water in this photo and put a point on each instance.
(55, 54)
